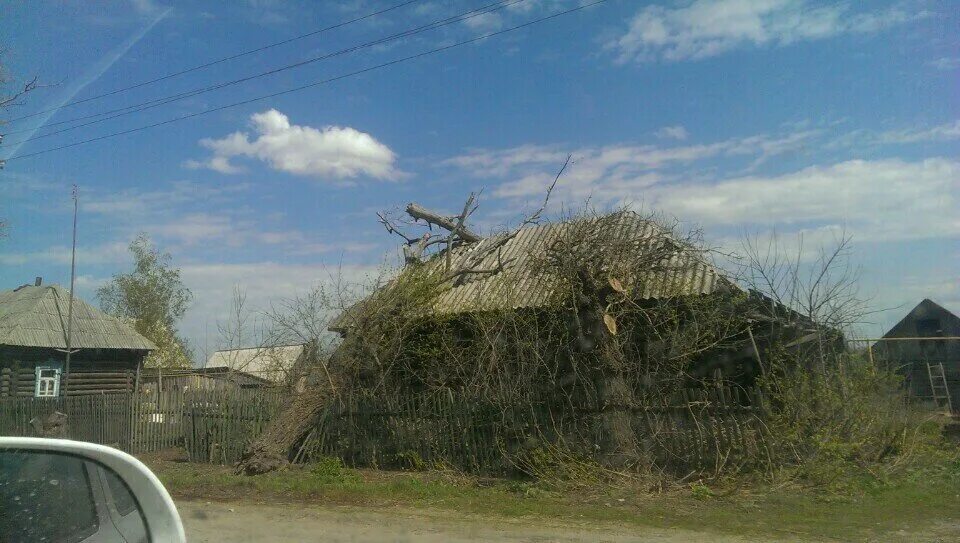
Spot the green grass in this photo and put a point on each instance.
(866, 509)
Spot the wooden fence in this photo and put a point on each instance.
(709, 430)
(705, 430)
(213, 426)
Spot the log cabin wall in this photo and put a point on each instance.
(93, 371)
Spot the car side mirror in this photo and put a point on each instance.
(63, 491)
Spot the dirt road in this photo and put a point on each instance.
(242, 523)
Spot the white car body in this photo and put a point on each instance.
(160, 520)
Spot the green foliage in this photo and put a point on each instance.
(154, 298)
(701, 491)
(555, 467)
(845, 420)
(327, 468)
(411, 460)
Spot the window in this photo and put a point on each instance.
(48, 382)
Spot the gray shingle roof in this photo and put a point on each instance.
(33, 316)
(269, 363)
(522, 284)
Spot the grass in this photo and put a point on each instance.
(865, 510)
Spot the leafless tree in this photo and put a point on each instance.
(818, 285)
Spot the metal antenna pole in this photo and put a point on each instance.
(73, 267)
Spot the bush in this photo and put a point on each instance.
(328, 468)
(843, 420)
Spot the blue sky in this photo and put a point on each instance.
(740, 117)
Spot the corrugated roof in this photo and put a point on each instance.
(271, 363)
(523, 284)
(32, 316)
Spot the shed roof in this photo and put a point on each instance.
(271, 363)
(523, 284)
(927, 308)
(36, 316)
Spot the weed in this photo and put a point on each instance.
(701, 491)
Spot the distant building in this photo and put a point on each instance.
(927, 320)
(154, 380)
(275, 365)
(33, 340)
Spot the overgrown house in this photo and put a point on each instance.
(649, 265)
(589, 319)
(107, 353)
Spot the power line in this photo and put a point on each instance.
(315, 83)
(157, 102)
(221, 60)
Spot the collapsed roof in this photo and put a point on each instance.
(520, 280)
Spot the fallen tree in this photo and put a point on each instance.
(341, 366)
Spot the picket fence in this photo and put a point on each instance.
(702, 430)
(706, 430)
(211, 425)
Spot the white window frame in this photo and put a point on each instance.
(47, 393)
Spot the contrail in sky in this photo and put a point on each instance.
(89, 76)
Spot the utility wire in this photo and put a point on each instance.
(150, 104)
(315, 83)
(221, 60)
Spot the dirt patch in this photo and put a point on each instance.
(218, 522)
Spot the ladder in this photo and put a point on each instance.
(938, 386)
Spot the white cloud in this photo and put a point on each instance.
(263, 282)
(945, 64)
(879, 200)
(860, 139)
(141, 203)
(610, 172)
(484, 22)
(216, 163)
(677, 132)
(146, 7)
(194, 228)
(59, 255)
(943, 132)
(332, 152)
(706, 28)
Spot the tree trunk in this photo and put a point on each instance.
(618, 445)
(419, 212)
(615, 398)
(271, 449)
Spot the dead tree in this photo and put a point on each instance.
(380, 318)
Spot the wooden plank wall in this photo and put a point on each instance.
(21, 381)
